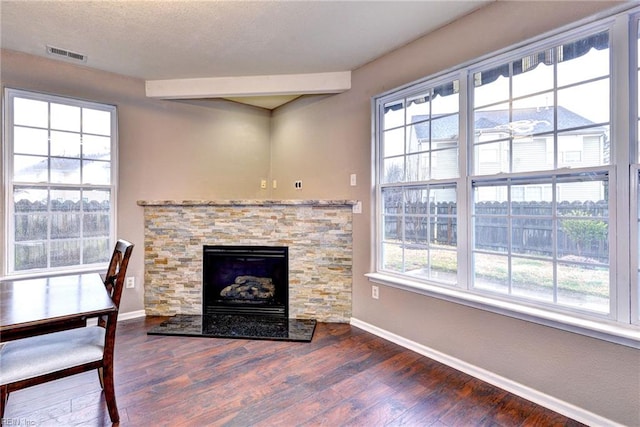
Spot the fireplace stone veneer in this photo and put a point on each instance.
(318, 234)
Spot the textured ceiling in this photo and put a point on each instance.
(189, 39)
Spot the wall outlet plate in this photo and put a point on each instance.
(130, 282)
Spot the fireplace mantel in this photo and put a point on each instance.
(247, 202)
(318, 234)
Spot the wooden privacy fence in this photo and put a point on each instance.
(67, 218)
(532, 227)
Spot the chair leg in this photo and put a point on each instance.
(110, 393)
(4, 396)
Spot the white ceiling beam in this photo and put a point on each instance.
(244, 86)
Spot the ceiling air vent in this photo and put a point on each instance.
(66, 53)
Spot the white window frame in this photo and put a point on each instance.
(8, 157)
(622, 326)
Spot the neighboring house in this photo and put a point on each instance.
(528, 134)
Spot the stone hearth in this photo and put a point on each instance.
(318, 234)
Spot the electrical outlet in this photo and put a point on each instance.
(298, 185)
(263, 183)
(130, 282)
(375, 293)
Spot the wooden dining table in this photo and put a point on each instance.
(42, 305)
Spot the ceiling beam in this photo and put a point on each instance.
(245, 86)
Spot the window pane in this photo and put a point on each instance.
(533, 73)
(30, 227)
(65, 171)
(533, 115)
(30, 256)
(491, 86)
(491, 272)
(445, 130)
(96, 121)
(492, 124)
(416, 260)
(532, 154)
(392, 257)
(393, 170)
(583, 105)
(532, 279)
(65, 253)
(65, 144)
(65, 117)
(418, 167)
(419, 137)
(95, 251)
(590, 147)
(418, 106)
(64, 226)
(96, 147)
(446, 99)
(392, 229)
(29, 112)
(30, 169)
(491, 158)
(30, 141)
(491, 233)
(583, 191)
(393, 115)
(393, 142)
(416, 201)
(532, 236)
(96, 200)
(65, 200)
(583, 240)
(443, 265)
(94, 225)
(584, 59)
(444, 164)
(584, 286)
(96, 172)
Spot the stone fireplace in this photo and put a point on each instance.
(317, 233)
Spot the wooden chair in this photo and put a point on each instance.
(35, 360)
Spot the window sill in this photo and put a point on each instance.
(608, 331)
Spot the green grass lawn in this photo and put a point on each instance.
(586, 279)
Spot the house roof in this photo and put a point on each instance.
(524, 121)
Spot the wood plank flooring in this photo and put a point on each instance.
(344, 377)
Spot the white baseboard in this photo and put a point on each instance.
(131, 315)
(550, 402)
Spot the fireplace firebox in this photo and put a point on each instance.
(246, 280)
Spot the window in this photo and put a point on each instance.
(534, 181)
(549, 246)
(418, 175)
(60, 175)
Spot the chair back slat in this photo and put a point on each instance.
(114, 281)
(115, 277)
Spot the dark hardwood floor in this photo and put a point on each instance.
(344, 377)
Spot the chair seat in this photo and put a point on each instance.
(34, 356)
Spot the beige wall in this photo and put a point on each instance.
(321, 140)
(212, 150)
(167, 149)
